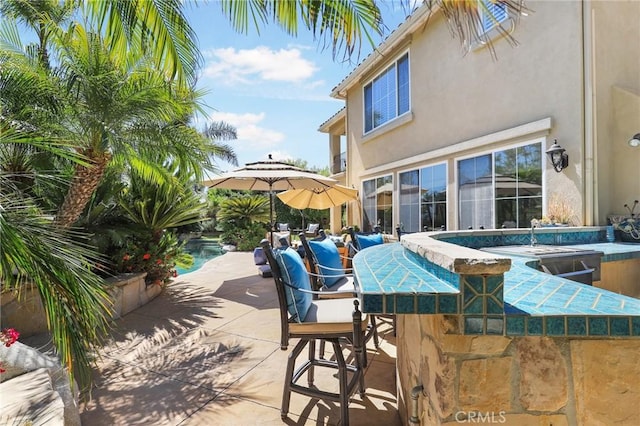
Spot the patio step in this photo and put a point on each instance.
(35, 387)
(31, 399)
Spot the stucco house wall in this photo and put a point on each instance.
(574, 76)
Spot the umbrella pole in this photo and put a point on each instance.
(271, 215)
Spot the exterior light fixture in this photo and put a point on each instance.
(635, 140)
(559, 158)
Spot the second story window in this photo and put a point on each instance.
(492, 14)
(387, 96)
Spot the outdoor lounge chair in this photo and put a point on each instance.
(312, 230)
(336, 321)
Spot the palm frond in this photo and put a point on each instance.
(340, 24)
(464, 19)
(158, 27)
(34, 252)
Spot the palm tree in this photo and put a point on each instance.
(116, 108)
(58, 264)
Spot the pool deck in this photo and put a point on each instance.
(206, 352)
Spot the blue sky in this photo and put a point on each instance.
(274, 88)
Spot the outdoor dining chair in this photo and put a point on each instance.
(336, 321)
(330, 280)
(312, 230)
(325, 267)
(361, 241)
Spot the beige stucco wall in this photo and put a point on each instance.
(516, 381)
(616, 76)
(456, 98)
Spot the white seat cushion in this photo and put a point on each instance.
(345, 287)
(328, 316)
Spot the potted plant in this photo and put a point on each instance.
(627, 227)
(559, 213)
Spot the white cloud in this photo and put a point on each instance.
(262, 63)
(250, 134)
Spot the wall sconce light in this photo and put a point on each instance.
(559, 158)
(635, 140)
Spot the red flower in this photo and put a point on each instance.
(126, 257)
(146, 256)
(159, 262)
(9, 336)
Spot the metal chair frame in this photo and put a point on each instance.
(335, 333)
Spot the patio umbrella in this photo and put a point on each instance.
(318, 198)
(270, 176)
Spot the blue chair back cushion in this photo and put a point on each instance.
(326, 254)
(295, 275)
(365, 241)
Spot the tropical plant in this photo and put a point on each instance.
(243, 210)
(58, 264)
(155, 208)
(113, 104)
(243, 220)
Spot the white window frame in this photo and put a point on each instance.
(419, 169)
(542, 141)
(393, 198)
(370, 82)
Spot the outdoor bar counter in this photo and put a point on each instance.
(488, 336)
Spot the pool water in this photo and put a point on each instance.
(202, 251)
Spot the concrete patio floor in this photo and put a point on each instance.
(206, 352)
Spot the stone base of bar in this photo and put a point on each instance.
(513, 380)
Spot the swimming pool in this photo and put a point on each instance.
(202, 251)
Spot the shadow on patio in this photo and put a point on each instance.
(206, 352)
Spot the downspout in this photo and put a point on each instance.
(590, 181)
(415, 395)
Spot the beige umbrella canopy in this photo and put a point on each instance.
(318, 198)
(270, 176)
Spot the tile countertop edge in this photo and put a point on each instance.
(455, 258)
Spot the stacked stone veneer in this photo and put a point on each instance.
(514, 380)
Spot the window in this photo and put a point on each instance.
(387, 96)
(377, 204)
(423, 199)
(502, 189)
(492, 14)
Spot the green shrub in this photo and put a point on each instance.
(158, 260)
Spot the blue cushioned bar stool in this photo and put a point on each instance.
(336, 321)
(330, 279)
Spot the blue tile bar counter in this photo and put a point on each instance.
(445, 273)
